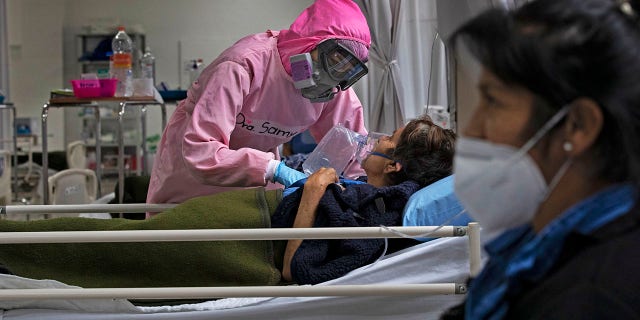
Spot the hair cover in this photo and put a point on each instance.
(324, 19)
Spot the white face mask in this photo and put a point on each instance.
(501, 187)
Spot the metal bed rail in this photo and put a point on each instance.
(226, 234)
(85, 208)
(236, 292)
(471, 231)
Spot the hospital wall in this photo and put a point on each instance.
(42, 35)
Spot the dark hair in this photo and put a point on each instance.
(562, 50)
(425, 151)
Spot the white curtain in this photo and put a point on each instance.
(409, 66)
(4, 49)
(422, 58)
(407, 69)
(383, 99)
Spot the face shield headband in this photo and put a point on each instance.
(336, 67)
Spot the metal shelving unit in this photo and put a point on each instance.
(79, 124)
(92, 59)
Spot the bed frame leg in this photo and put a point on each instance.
(475, 249)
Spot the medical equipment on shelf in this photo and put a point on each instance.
(194, 67)
(439, 115)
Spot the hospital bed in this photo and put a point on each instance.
(419, 282)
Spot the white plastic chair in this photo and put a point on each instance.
(5, 177)
(77, 155)
(72, 186)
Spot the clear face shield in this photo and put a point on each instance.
(469, 71)
(337, 68)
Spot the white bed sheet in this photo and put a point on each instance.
(439, 261)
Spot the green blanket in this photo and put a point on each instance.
(158, 264)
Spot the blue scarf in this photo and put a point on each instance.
(521, 256)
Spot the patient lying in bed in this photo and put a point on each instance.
(222, 263)
(415, 156)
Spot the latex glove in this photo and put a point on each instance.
(287, 176)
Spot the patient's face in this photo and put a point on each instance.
(374, 165)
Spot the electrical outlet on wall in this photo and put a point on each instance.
(193, 67)
(439, 115)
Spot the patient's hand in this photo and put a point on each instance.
(314, 189)
(319, 180)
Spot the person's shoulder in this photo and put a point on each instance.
(612, 262)
(251, 47)
(589, 270)
(606, 261)
(344, 98)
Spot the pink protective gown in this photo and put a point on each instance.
(244, 105)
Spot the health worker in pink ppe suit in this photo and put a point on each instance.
(252, 98)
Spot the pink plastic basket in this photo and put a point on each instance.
(86, 88)
(108, 87)
(93, 88)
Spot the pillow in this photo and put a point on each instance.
(434, 205)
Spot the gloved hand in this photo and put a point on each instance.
(287, 176)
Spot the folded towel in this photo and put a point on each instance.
(157, 264)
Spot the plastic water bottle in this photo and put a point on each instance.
(148, 66)
(122, 48)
